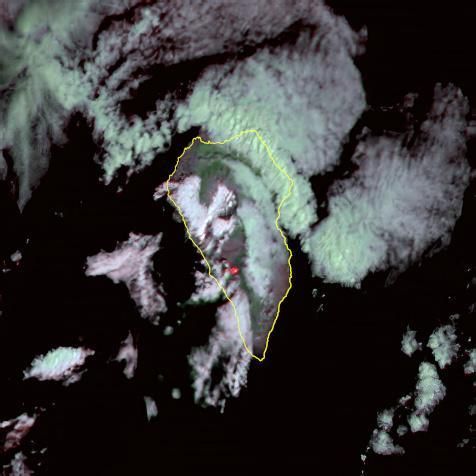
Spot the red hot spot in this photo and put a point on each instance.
(234, 270)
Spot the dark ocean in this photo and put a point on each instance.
(334, 358)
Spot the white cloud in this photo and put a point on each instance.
(443, 344)
(418, 422)
(290, 96)
(52, 68)
(470, 365)
(150, 407)
(382, 444)
(61, 364)
(131, 263)
(400, 202)
(385, 419)
(128, 354)
(38, 70)
(224, 353)
(17, 428)
(429, 388)
(429, 391)
(409, 342)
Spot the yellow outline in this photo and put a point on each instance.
(285, 241)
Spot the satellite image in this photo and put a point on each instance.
(238, 237)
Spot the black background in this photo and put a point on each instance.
(311, 406)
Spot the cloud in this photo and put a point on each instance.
(409, 342)
(220, 369)
(36, 82)
(382, 444)
(429, 390)
(59, 58)
(131, 263)
(61, 364)
(303, 98)
(443, 344)
(401, 202)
